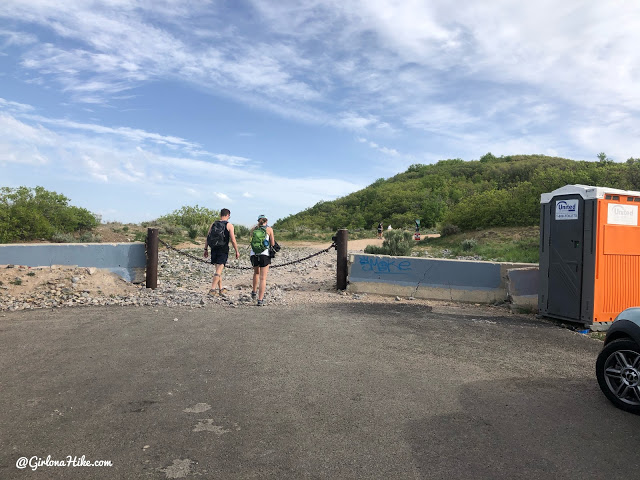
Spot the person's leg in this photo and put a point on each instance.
(254, 281)
(219, 269)
(217, 277)
(263, 281)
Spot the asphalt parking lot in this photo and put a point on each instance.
(320, 391)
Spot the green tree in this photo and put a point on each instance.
(193, 218)
(603, 159)
(32, 213)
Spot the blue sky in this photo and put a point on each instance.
(135, 108)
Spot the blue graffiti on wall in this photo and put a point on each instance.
(379, 265)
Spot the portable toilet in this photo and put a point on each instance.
(589, 254)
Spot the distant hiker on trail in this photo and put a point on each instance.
(220, 232)
(379, 229)
(261, 239)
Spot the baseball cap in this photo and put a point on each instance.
(261, 216)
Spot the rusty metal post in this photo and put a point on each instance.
(342, 238)
(152, 258)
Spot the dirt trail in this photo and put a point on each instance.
(354, 245)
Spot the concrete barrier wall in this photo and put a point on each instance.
(435, 279)
(522, 287)
(127, 260)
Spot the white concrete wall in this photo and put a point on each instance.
(127, 260)
(436, 279)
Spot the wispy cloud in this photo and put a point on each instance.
(14, 106)
(122, 156)
(392, 152)
(361, 65)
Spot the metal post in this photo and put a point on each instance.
(342, 239)
(152, 258)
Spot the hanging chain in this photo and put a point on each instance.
(199, 259)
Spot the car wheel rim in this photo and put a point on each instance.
(622, 373)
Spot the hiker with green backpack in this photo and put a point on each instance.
(261, 239)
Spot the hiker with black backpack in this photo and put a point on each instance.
(262, 240)
(220, 233)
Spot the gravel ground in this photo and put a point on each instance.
(183, 281)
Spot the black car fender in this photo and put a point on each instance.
(626, 325)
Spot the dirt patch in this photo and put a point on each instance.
(353, 245)
(117, 232)
(22, 282)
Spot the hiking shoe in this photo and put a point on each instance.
(254, 295)
(260, 303)
(223, 292)
(214, 293)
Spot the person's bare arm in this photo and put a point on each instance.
(206, 246)
(272, 240)
(232, 237)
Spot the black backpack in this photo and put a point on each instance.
(216, 236)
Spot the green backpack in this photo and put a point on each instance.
(259, 242)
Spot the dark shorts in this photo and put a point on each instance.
(219, 256)
(260, 260)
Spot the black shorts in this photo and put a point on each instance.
(260, 260)
(219, 256)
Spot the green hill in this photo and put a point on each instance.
(490, 192)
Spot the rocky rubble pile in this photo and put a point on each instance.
(182, 281)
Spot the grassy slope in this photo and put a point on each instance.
(504, 244)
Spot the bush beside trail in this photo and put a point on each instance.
(397, 243)
(195, 220)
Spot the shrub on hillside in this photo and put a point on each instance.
(449, 229)
(62, 238)
(241, 231)
(397, 243)
(169, 229)
(518, 206)
(88, 237)
(190, 217)
(468, 244)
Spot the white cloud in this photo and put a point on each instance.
(14, 106)
(131, 134)
(222, 196)
(392, 152)
(9, 38)
(232, 159)
(548, 76)
(353, 121)
(379, 62)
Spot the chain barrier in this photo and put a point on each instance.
(199, 259)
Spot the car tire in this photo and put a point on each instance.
(618, 373)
